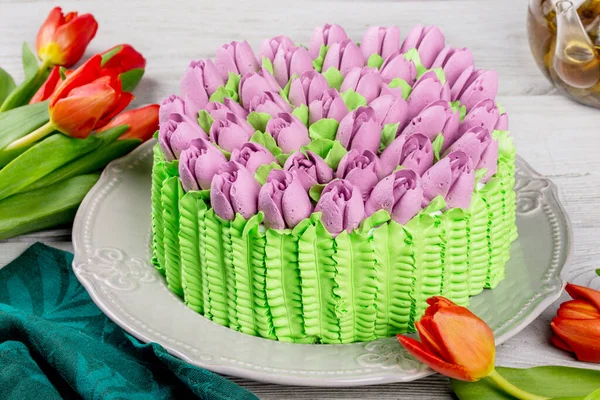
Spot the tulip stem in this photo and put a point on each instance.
(511, 389)
(32, 137)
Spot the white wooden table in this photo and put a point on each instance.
(557, 137)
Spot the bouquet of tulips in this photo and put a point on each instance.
(61, 126)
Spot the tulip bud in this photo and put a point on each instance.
(437, 117)
(176, 134)
(453, 62)
(310, 169)
(200, 80)
(396, 66)
(325, 35)
(254, 84)
(236, 57)
(380, 40)
(329, 104)
(283, 200)
(291, 61)
(502, 124)
(234, 190)
(218, 110)
(362, 169)
(288, 131)
(143, 122)
(269, 47)
(484, 114)
(271, 103)
(342, 207)
(343, 56)
(360, 130)
(428, 41)
(252, 156)
(198, 164)
(400, 194)
(390, 110)
(411, 151)
(307, 88)
(481, 85)
(427, 90)
(366, 81)
(231, 132)
(173, 105)
(122, 58)
(478, 144)
(62, 39)
(452, 178)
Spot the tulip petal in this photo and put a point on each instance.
(81, 76)
(581, 335)
(578, 309)
(427, 334)
(583, 293)
(561, 344)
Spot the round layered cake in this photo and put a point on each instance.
(322, 194)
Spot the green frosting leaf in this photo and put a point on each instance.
(457, 106)
(302, 113)
(263, 172)
(334, 77)
(500, 109)
(376, 219)
(413, 55)
(399, 168)
(374, 61)
(325, 128)
(388, 134)
(353, 100)
(282, 158)
(258, 120)
(232, 85)
(437, 204)
(315, 191)
(219, 95)
(172, 168)
(406, 89)
(285, 92)
(440, 74)
(267, 64)
(267, 141)
(318, 62)
(437, 145)
(479, 174)
(331, 151)
(205, 120)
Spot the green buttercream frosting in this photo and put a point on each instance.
(318, 62)
(375, 61)
(325, 128)
(302, 113)
(353, 100)
(401, 83)
(334, 77)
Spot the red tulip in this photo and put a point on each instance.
(454, 341)
(122, 58)
(87, 100)
(143, 122)
(62, 39)
(577, 324)
(48, 88)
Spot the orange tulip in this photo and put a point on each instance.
(577, 324)
(143, 122)
(62, 39)
(454, 341)
(48, 88)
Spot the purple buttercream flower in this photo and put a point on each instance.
(427, 90)
(252, 156)
(236, 57)
(502, 124)
(176, 133)
(283, 200)
(291, 61)
(437, 117)
(231, 132)
(343, 56)
(269, 47)
(400, 194)
(478, 144)
(328, 104)
(362, 169)
(271, 103)
(484, 114)
(414, 152)
(360, 130)
(342, 206)
(396, 66)
(173, 104)
(234, 190)
(481, 85)
(325, 35)
(200, 80)
(288, 131)
(452, 178)
(454, 62)
(310, 168)
(428, 41)
(390, 110)
(366, 81)
(254, 84)
(198, 164)
(307, 88)
(380, 40)
(218, 110)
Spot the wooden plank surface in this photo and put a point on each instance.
(556, 136)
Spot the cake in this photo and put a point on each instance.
(322, 194)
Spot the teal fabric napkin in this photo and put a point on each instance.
(55, 343)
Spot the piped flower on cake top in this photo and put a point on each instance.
(337, 128)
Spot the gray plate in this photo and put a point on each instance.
(111, 237)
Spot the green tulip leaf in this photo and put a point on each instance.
(15, 124)
(552, 382)
(325, 128)
(23, 93)
(598, 272)
(263, 172)
(205, 120)
(110, 54)
(267, 141)
(437, 145)
(130, 79)
(44, 208)
(7, 85)
(331, 151)
(258, 120)
(388, 134)
(30, 62)
(62, 71)
(318, 62)
(353, 100)
(267, 64)
(334, 77)
(375, 61)
(315, 191)
(401, 83)
(301, 113)
(413, 55)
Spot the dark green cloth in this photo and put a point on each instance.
(55, 343)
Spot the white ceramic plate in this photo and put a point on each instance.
(111, 237)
